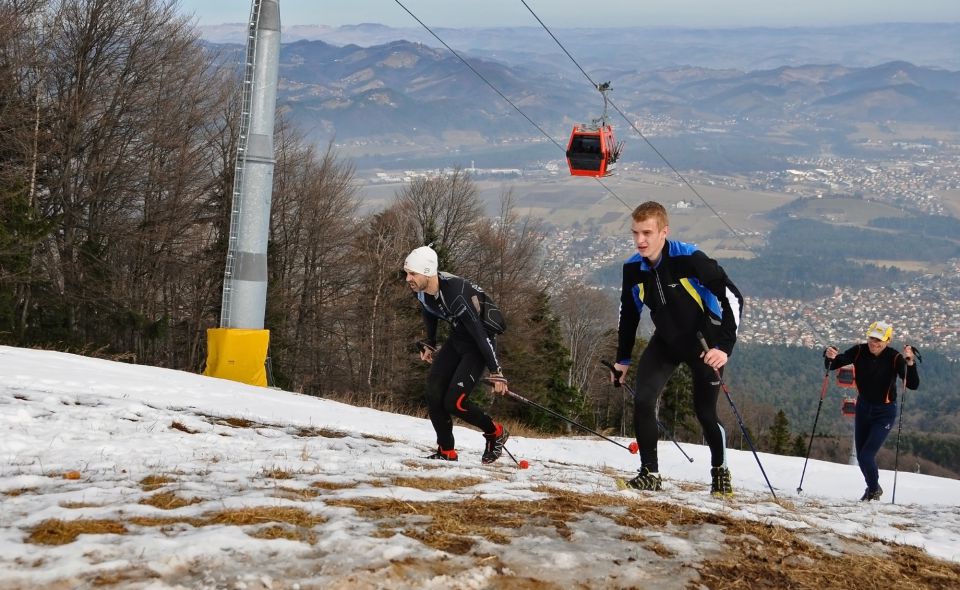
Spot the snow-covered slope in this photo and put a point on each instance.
(115, 475)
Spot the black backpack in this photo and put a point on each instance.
(489, 312)
(476, 301)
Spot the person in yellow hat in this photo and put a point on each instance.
(876, 367)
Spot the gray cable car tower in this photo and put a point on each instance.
(237, 350)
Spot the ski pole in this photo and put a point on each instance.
(743, 429)
(633, 448)
(522, 463)
(896, 457)
(616, 383)
(823, 392)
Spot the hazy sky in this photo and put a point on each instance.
(566, 13)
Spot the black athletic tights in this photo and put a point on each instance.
(657, 363)
(456, 368)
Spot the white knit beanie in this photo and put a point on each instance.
(422, 260)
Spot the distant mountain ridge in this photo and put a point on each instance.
(641, 48)
(403, 88)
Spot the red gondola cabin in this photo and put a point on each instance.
(848, 407)
(592, 150)
(846, 377)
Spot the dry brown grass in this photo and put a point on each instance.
(169, 501)
(277, 531)
(312, 432)
(154, 482)
(436, 483)
(454, 526)
(20, 492)
(124, 577)
(421, 465)
(759, 555)
(333, 485)
(751, 555)
(61, 532)
(236, 422)
(277, 473)
(383, 439)
(265, 514)
(176, 425)
(785, 560)
(78, 505)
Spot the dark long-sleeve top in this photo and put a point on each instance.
(876, 376)
(458, 302)
(686, 292)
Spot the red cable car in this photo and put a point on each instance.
(846, 377)
(848, 407)
(593, 149)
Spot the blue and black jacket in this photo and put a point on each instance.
(686, 292)
(469, 310)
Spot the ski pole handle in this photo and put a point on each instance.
(703, 342)
(616, 373)
(706, 349)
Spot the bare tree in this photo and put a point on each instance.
(125, 107)
(506, 259)
(313, 270)
(383, 245)
(586, 318)
(444, 211)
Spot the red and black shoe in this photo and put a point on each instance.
(495, 444)
(442, 455)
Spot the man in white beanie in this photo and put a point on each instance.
(458, 365)
(876, 369)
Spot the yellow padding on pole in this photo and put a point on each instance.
(238, 355)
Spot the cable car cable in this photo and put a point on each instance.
(642, 136)
(502, 95)
(479, 75)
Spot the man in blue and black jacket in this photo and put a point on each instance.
(686, 292)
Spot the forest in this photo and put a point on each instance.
(117, 146)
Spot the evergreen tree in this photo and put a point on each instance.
(780, 434)
(676, 405)
(20, 232)
(799, 448)
(552, 362)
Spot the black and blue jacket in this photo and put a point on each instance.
(469, 310)
(686, 292)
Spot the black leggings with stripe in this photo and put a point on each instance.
(657, 363)
(456, 368)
